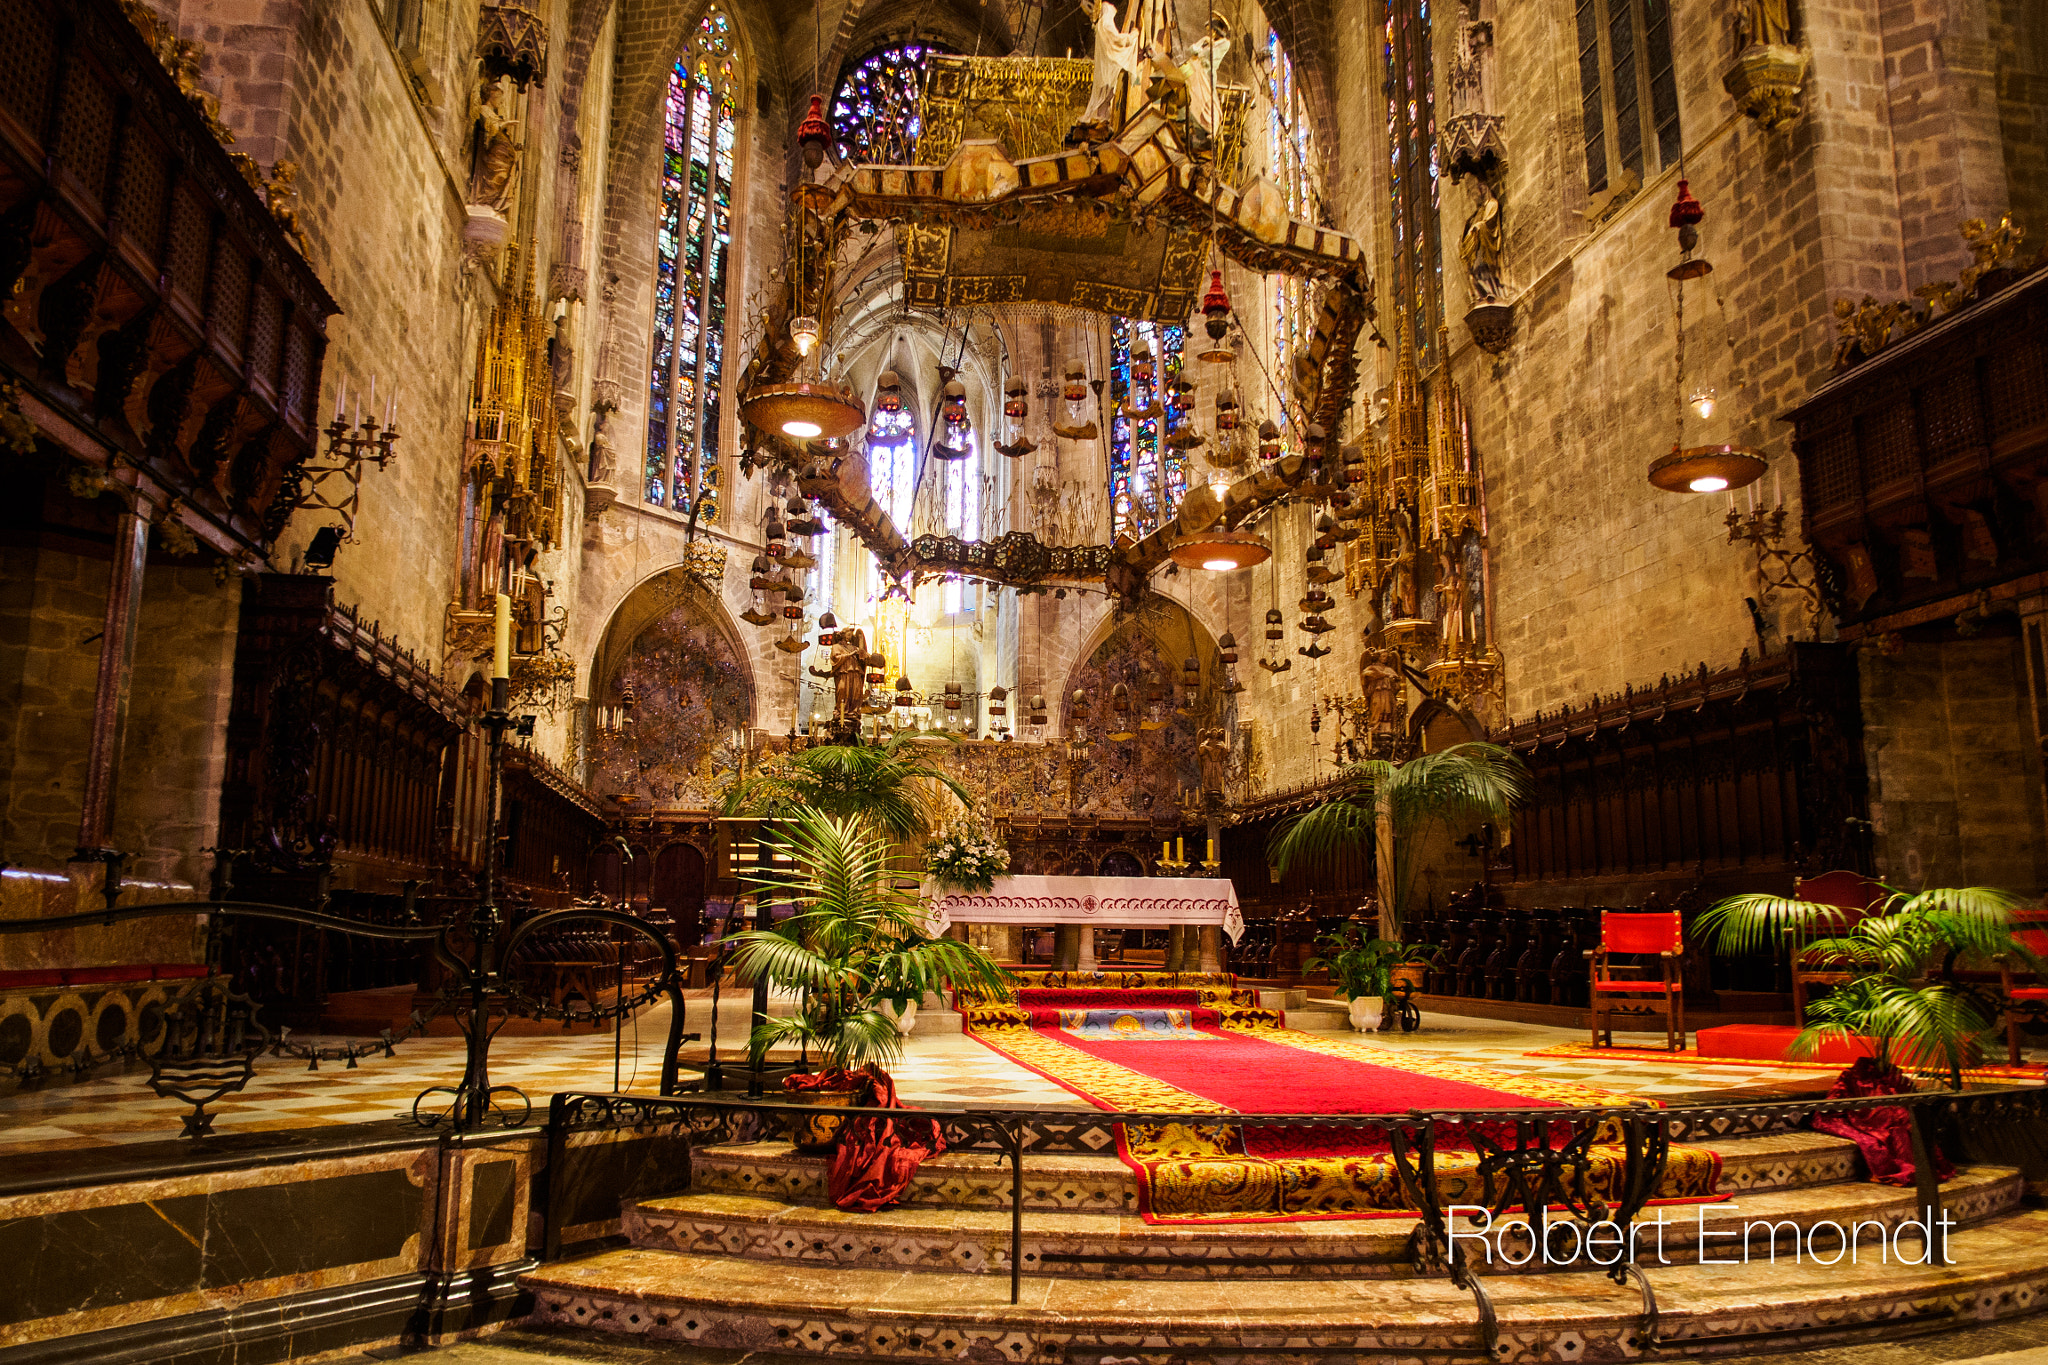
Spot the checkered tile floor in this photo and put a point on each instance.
(945, 1069)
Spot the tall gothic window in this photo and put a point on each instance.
(686, 375)
(875, 110)
(1628, 93)
(1410, 90)
(963, 507)
(1296, 167)
(1147, 477)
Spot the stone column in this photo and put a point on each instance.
(1212, 948)
(1176, 947)
(1066, 946)
(1085, 933)
(110, 698)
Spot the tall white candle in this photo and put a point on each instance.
(501, 646)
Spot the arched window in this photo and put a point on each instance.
(686, 375)
(892, 463)
(875, 109)
(1410, 89)
(1296, 167)
(1147, 477)
(962, 495)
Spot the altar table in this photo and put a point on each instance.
(1128, 902)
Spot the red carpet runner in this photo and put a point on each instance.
(1136, 1056)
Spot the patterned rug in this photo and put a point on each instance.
(1694, 1057)
(1183, 1061)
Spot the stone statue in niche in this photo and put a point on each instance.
(1403, 575)
(1453, 600)
(493, 150)
(1767, 23)
(1379, 678)
(849, 670)
(1484, 241)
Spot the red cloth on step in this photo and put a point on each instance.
(1884, 1133)
(875, 1159)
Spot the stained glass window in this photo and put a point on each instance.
(1414, 182)
(1147, 477)
(1296, 167)
(875, 109)
(962, 494)
(686, 370)
(1628, 94)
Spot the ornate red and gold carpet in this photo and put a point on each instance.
(1146, 1049)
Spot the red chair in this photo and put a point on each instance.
(1639, 996)
(2026, 1001)
(1852, 895)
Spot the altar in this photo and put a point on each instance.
(1206, 903)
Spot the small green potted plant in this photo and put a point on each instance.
(1412, 966)
(856, 943)
(1359, 968)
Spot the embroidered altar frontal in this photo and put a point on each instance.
(1156, 1058)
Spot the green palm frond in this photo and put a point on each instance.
(857, 940)
(1465, 783)
(1911, 1025)
(889, 785)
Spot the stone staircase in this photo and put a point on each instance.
(755, 1258)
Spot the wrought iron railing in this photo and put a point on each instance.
(1533, 1160)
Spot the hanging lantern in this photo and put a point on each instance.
(997, 696)
(1326, 527)
(1226, 411)
(1316, 625)
(1318, 571)
(803, 331)
(1190, 677)
(875, 663)
(1216, 319)
(1354, 464)
(1016, 403)
(1275, 625)
(1037, 716)
(904, 696)
(953, 407)
(1315, 444)
(812, 135)
(952, 695)
(775, 534)
(1075, 390)
(827, 624)
(1269, 440)
(1228, 646)
(1141, 362)
(763, 582)
(1120, 722)
(1315, 600)
(888, 392)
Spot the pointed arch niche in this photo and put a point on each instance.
(672, 649)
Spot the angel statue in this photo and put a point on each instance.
(1116, 56)
(1205, 56)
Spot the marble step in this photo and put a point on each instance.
(1572, 1317)
(1084, 1182)
(1124, 1246)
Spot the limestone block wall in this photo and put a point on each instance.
(1955, 771)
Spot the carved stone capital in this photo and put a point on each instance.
(1765, 82)
(1492, 326)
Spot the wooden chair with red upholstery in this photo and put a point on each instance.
(1853, 896)
(1614, 992)
(2024, 997)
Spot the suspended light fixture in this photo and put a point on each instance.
(804, 332)
(1221, 551)
(804, 409)
(812, 135)
(763, 582)
(1269, 440)
(1276, 625)
(1216, 315)
(1705, 468)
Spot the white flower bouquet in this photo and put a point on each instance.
(966, 858)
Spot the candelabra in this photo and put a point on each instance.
(1778, 567)
(336, 484)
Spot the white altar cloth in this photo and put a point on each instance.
(1141, 902)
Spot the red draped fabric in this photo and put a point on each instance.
(1884, 1133)
(876, 1157)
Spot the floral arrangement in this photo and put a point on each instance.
(966, 858)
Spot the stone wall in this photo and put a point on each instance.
(1955, 771)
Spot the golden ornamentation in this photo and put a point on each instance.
(1765, 83)
(513, 421)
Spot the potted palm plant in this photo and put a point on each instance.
(888, 785)
(1392, 807)
(1412, 966)
(1901, 1000)
(856, 944)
